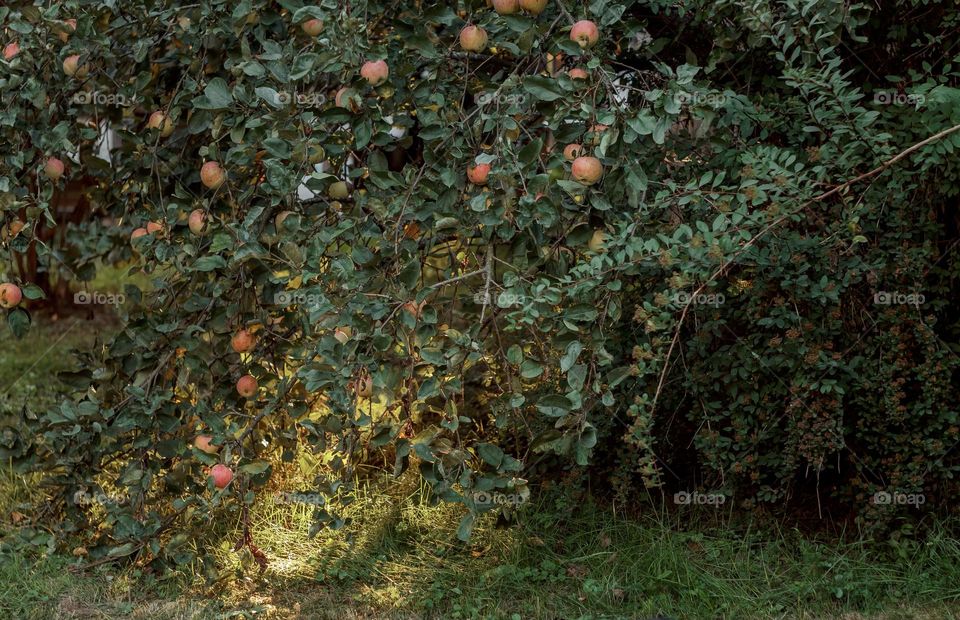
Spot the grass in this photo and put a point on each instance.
(399, 557)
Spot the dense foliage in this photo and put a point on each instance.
(729, 309)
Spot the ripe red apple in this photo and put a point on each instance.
(506, 7)
(197, 221)
(242, 341)
(212, 175)
(473, 38)
(572, 151)
(10, 295)
(246, 386)
(533, 6)
(343, 334)
(221, 474)
(375, 72)
(202, 443)
(72, 67)
(313, 27)
(587, 170)
(585, 33)
(364, 386)
(478, 174)
(137, 233)
(53, 168)
(578, 74)
(11, 50)
(162, 122)
(154, 228)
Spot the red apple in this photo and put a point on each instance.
(247, 386)
(473, 38)
(154, 228)
(242, 341)
(313, 27)
(578, 74)
(72, 67)
(202, 443)
(572, 151)
(53, 168)
(197, 221)
(587, 170)
(10, 295)
(506, 7)
(137, 233)
(212, 175)
(375, 72)
(585, 33)
(162, 122)
(11, 50)
(533, 6)
(478, 174)
(69, 27)
(221, 474)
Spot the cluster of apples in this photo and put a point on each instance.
(584, 168)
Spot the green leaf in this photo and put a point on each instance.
(543, 88)
(19, 322)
